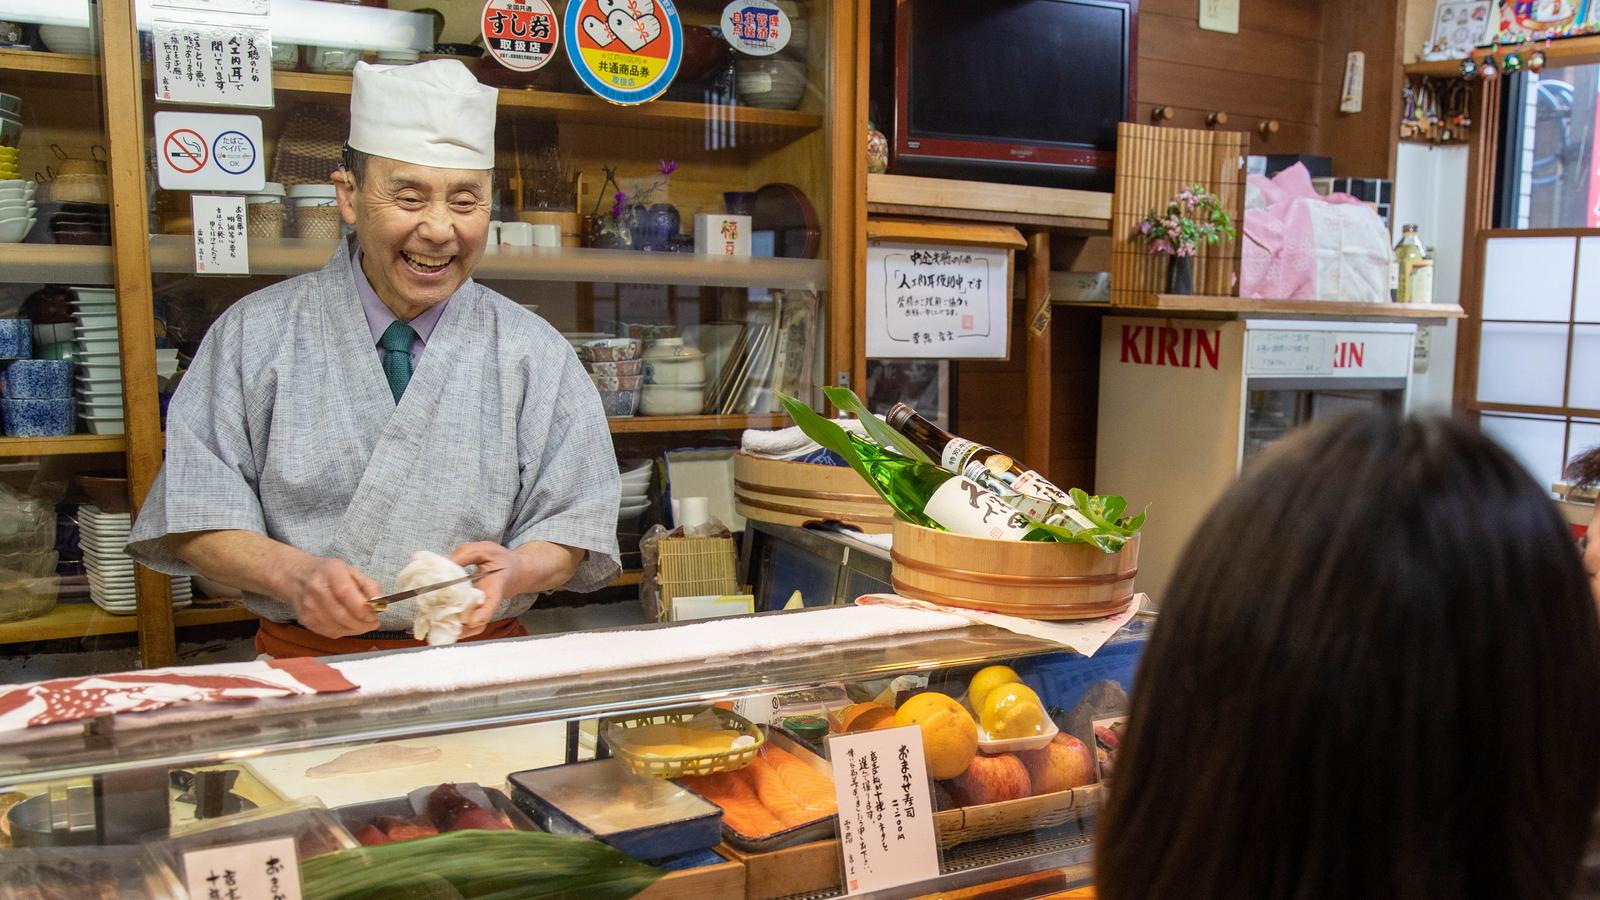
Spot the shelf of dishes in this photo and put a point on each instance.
(65, 445)
(174, 254)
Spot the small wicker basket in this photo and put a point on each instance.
(615, 732)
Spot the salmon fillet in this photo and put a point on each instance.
(790, 789)
(741, 808)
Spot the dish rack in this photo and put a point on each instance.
(731, 760)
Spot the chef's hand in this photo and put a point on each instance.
(330, 597)
(496, 587)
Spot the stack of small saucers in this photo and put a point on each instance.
(100, 360)
(635, 492)
(18, 212)
(103, 537)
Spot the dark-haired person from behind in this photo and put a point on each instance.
(1376, 674)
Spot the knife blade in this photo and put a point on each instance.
(382, 603)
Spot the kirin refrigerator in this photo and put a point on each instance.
(1185, 404)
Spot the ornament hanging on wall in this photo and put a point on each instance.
(1488, 69)
(1469, 69)
(1512, 63)
(1536, 61)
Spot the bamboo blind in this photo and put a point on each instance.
(1153, 165)
(695, 567)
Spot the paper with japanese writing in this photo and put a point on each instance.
(226, 62)
(938, 302)
(263, 870)
(209, 152)
(221, 246)
(886, 833)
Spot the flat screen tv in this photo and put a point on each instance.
(1021, 91)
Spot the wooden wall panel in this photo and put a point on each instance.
(1362, 144)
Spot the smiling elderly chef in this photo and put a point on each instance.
(336, 422)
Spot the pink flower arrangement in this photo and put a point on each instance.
(1193, 219)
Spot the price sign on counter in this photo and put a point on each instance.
(227, 63)
(886, 834)
(221, 246)
(937, 302)
(264, 870)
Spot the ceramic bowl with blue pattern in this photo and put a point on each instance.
(16, 338)
(36, 379)
(38, 418)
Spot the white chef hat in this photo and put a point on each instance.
(431, 113)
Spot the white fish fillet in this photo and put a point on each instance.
(440, 614)
(375, 758)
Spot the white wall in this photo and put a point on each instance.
(1430, 191)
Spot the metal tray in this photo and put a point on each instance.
(818, 830)
(354, 815)
(553, 798)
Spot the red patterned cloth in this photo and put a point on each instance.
(67, 699)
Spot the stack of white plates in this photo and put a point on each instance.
(99, 360)
(635, 492)
(103, 537)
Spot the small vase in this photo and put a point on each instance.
(1180, 275)
(877, 151)
(654, 226)
(607, 234)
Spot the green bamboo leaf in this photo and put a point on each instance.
(825, 432)
(847, 401)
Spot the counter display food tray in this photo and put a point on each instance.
(313, 827)
(821, 829)
(646, 818)
(84, 873)
(355, 815)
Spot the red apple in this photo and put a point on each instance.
(1064, 763)
(991, 779)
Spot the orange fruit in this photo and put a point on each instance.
(949, 735)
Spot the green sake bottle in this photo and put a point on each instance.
(935, 498)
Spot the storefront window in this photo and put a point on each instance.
(1549, 176)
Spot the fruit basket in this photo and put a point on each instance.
(976, 823)
(641, 761)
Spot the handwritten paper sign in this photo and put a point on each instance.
(1288, 353)
(227, 63)
(209, 152)
(265, 870)
(937, 302)
(221, 246)
(886, 833)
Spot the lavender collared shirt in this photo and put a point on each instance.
(379, 317)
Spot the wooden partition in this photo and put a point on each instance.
(1153, 165)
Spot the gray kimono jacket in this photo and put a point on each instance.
(285, 426)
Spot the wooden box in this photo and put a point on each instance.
(794, 493)
(1035, 580)
(977, 823)
(808, 868)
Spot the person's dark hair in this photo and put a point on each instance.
(1376, 673)
(355, 162)
(1584, 469)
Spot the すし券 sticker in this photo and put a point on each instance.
(521, 35)
(626, 51)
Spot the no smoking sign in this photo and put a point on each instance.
(207, 152)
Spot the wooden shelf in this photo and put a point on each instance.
(77, 620)
(661, 424)
(37, 62)
(174, 254)
(55, 264)
(1559, 52)
(1166, 304)
(980, 201)
(13, 447)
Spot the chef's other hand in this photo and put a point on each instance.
(488, 555)
(330, 597)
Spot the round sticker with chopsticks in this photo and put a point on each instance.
(521, 35)
(625, 51)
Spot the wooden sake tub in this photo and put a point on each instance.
(795, 493)
(1016, 578)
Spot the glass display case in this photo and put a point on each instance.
(341, 774)
(716, 220)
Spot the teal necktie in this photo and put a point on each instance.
(396, 344)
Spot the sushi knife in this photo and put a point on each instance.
(382, 603)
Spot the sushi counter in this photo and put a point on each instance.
(709, 775)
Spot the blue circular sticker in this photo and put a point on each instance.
(233, 152)
(626, 51)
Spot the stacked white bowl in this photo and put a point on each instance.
(99, 359)
(635, 492)
(103, 538)
(18, 212)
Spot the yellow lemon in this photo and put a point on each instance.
(1011, 711)
(987, 680)
(949, 736)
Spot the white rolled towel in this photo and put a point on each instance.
(788, 443)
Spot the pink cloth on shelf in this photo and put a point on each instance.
(68, 699)
(1279, 259)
